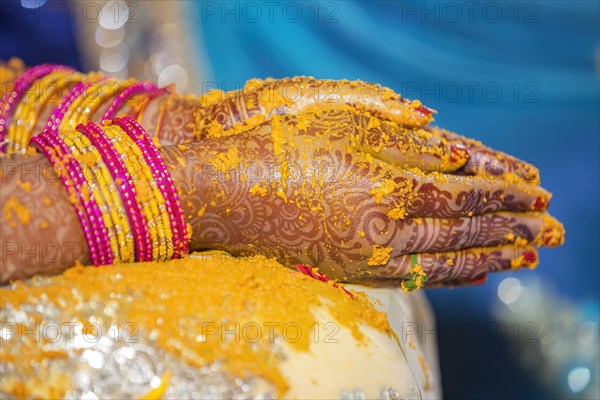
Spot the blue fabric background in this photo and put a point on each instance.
(544, 67)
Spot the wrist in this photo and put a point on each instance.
(97, 161)
(184, 162)
(40, 233)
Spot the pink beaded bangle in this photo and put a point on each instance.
(52, 149)
(110, 156)
(163, 179)
(59, 112)
(22, 84)
(136, 88)
(89, 203)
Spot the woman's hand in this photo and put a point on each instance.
(345, 176)
(344, 191)
(185, 118)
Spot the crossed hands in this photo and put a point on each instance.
(350, 178)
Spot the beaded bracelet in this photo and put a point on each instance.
(157, 190)
(65, 170)
(106, 194)
(82, 188)
(89, 104)
(137, 88)
(27, 113)
(22, 116)
(120, 175)
(58, 115)
(148, 193)
(164, 181)
(83, 105)
(21, 85)
(123, 194)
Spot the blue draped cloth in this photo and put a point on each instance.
(522, 77)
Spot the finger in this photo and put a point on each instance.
(380, 138)
(447, 195)
(408, 192)
(398, 145)
(460, 282)
(489, 162)
(462, 265)
(393, 282)
(295, 95)
(432, 235)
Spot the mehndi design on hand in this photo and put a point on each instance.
(322, 188)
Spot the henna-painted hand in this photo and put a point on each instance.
(216, 114)
(345, 191)
(190, 117)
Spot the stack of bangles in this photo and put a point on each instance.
(34, 89)
(123, 194)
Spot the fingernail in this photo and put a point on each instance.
(529, 257)
(552, 233)
(478, 281)
(541, 203)
(420, 108)
(459, 153)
